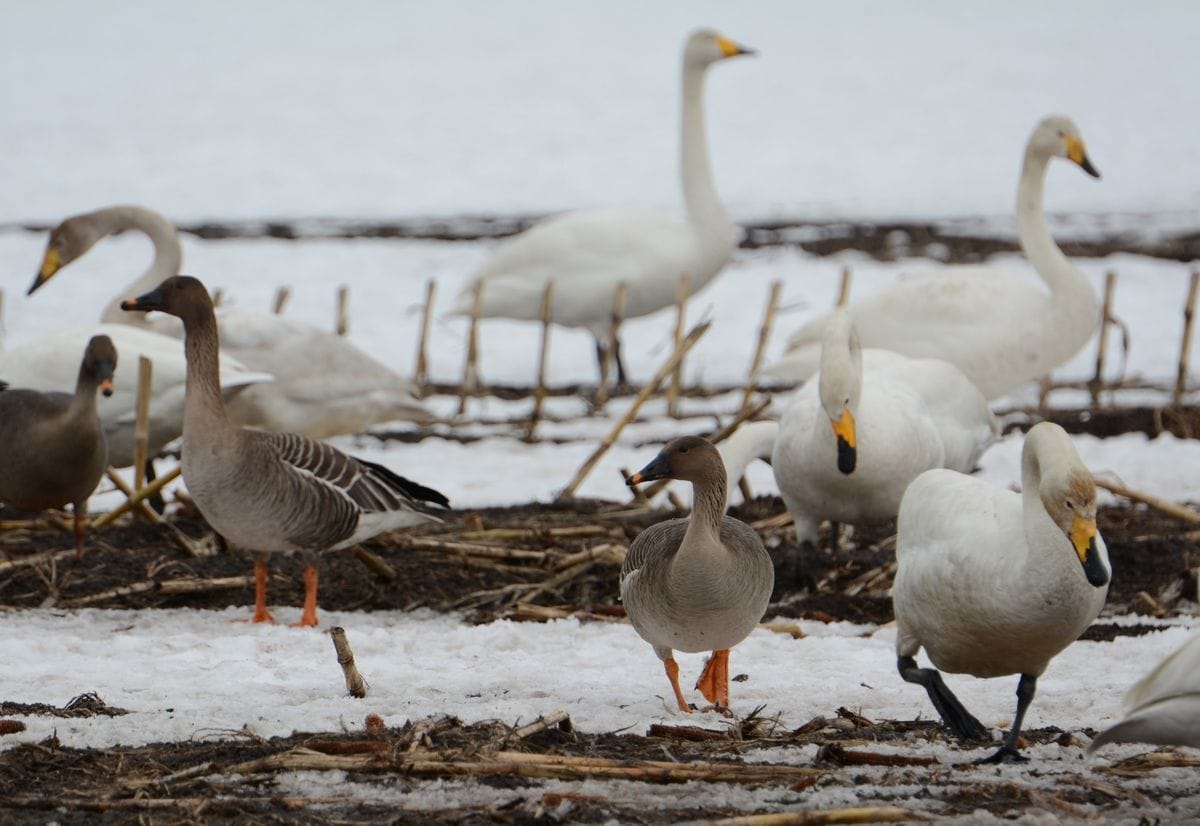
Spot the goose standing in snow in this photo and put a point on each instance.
(269, 491)
(991, 582)
(54, 448)
(588, 253)
(323, 385)
(999, 330)
(700, 583)
(851, 441)
(1164, 706)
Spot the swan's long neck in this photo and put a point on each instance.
(755, 440)
(204, 408)
(168, 255)
(1036, 242)
(704, 210)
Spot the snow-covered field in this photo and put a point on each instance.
(860, 111)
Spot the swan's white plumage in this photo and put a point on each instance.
(1164, 706)
(51, 363)
(323, 385)
(987, 580)
(588, 253)
(999, 329)
(910, 415)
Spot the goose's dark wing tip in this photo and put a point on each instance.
(413, 490)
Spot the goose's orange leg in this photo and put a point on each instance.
(714, 682)
(308, 619)
(261, 614)
(80, 514)
(672, 669)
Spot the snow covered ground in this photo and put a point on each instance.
(361, 109)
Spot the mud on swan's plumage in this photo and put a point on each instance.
(323, 385)
(998, 329)
(851, 441)
(589, 252)
(991, 582)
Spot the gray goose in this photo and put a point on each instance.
(54, 447)
(267, 491)
(700, 583)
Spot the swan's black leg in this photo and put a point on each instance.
(1008, 752)
(621, 378)
(953, 714)
(156, 501)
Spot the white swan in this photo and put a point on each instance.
(589, 252)
(324, 385)
(989, 582)
(1164, 706)
(999, 330)
(851, 441)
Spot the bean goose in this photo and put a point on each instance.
(54, 446)
(322, 384)
(850, 442)
(991, 582)
(998, 329)
(695, 584)
(269, 491)
(588, 253)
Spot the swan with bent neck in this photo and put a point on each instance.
(323, 385)
(998, 329)
(588, 253)
(696, 584)
(851, 441)
(991, 582)
(267, 491)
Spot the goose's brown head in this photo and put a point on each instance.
(688, 458)
(180, 295)
(100, 362)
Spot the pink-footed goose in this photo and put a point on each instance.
(269, 491)
(696, 584)
(54, 446)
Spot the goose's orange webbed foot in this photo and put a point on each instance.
(261, 614)
(308, 619)
(672, 669)
(714, 681)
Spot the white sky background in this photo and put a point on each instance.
(227, 110)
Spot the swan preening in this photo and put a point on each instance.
(322, 385)
(588, 253)
(269, 491)
(999, 330)
(991, 582)
(700, 583)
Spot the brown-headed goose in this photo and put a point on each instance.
(54, 451)
(269, 491)
(991, 582)
(700, 583)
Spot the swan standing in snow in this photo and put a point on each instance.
(991, 582)
(1164, 706)
(323, 385)
(999, 330)
(851, 441)
(588, 253)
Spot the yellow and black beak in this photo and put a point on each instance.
(659, 468)
(732, 49)
(847, 440)
(153, 300)
(51, 263)
(1083, 535)
(1077, 154)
